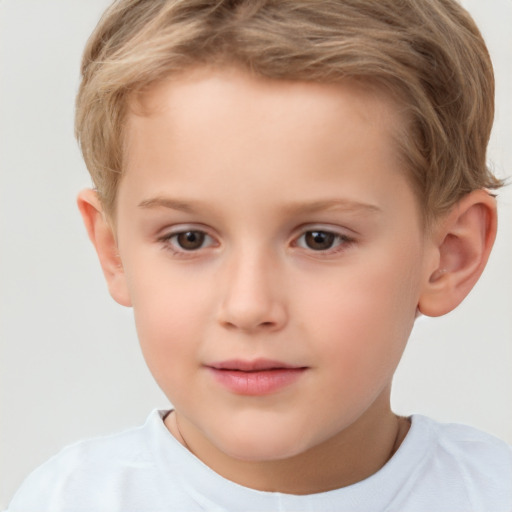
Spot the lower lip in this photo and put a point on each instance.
(257, 383)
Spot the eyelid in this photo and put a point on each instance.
(345, 240)
(168, 233)
(176, 229)
(326, 228)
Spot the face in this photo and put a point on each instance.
(273, 255)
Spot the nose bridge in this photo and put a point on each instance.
(252, 296)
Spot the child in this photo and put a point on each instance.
(281, 189)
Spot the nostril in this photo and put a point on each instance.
(251, 308)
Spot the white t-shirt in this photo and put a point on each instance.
(438, 468)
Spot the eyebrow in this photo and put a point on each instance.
(344, 205)
(168, 202)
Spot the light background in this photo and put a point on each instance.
(70, 366)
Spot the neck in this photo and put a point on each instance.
(349, 457)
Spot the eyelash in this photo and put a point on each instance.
(340, 242)
(167, 240)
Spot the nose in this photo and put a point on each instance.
(253, 295)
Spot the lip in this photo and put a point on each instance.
(255, 378)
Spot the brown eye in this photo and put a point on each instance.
(319, 240)
(190, 240)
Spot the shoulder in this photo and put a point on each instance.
(103, 464)
(470, 446)
(463, 461)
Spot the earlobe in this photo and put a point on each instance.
(464, 241)
(102, 237)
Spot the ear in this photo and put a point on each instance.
(464, 239)
(102, 236)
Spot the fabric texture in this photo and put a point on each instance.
(438, 467)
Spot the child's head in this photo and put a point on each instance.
(269, 167)
(428, 55)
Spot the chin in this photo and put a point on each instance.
(262, 447)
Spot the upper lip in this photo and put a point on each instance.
(252, 365)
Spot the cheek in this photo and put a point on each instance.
(364, 319)
(169, 315)
(165, 298)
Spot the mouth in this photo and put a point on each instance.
(257, 377)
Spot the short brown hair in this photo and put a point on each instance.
(428, 54)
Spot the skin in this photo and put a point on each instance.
(257, 166)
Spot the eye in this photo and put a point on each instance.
(190, 240)
(320, 240)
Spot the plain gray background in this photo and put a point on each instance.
(70, 366)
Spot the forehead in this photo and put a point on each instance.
(211, 125)
(207, 87)
(202, 99)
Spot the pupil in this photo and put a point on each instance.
(191, 240)
(319, 240)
